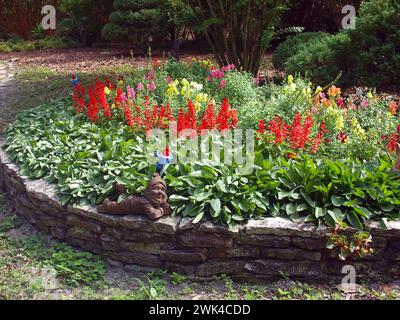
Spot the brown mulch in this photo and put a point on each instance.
(93, 59)
(83, 59)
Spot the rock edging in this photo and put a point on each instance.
(260, 249)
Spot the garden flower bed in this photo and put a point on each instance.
(319, 155)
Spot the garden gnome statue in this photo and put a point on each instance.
(163, 159)
(154, 203)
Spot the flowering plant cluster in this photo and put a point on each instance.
(107, 102)
(297, 135)
(183, 90)
(358, 123)
(217, 75)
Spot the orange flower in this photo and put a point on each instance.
(393, 108)
(291, 155)
(326, 103)
(334, 92)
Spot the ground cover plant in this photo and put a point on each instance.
(39, 44)
(318, 153)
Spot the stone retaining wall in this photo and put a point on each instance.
(266, 248)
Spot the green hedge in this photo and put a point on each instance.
(368, 55)
(292, 45)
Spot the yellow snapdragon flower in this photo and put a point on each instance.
(172, 89)
(339, 123)
(357, 130)
(318, 90)
(202, 97)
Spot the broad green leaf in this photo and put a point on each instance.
(216, 205)
(198, 218)
(354, 220)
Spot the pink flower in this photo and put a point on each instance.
(228, 68)
(139, 86)
(216, 74)
(257, 80)
(314, 110)
(168, 80)
(131, 92)
(222, 84)
(340, 102)
(364, 103)
(123, 98)
(151, 86)
(150, 75)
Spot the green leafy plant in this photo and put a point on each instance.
(177, 278)
(154, 289)
(9, 223)
(76, 267)
(358, 246)
(367, 55)
(73, 267)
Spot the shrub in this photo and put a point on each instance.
(239, 31)
(84, 19)
(368, 55)
(322, 59)
(4, 47)
(292, 45)
(135, 20)
(376, 42)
